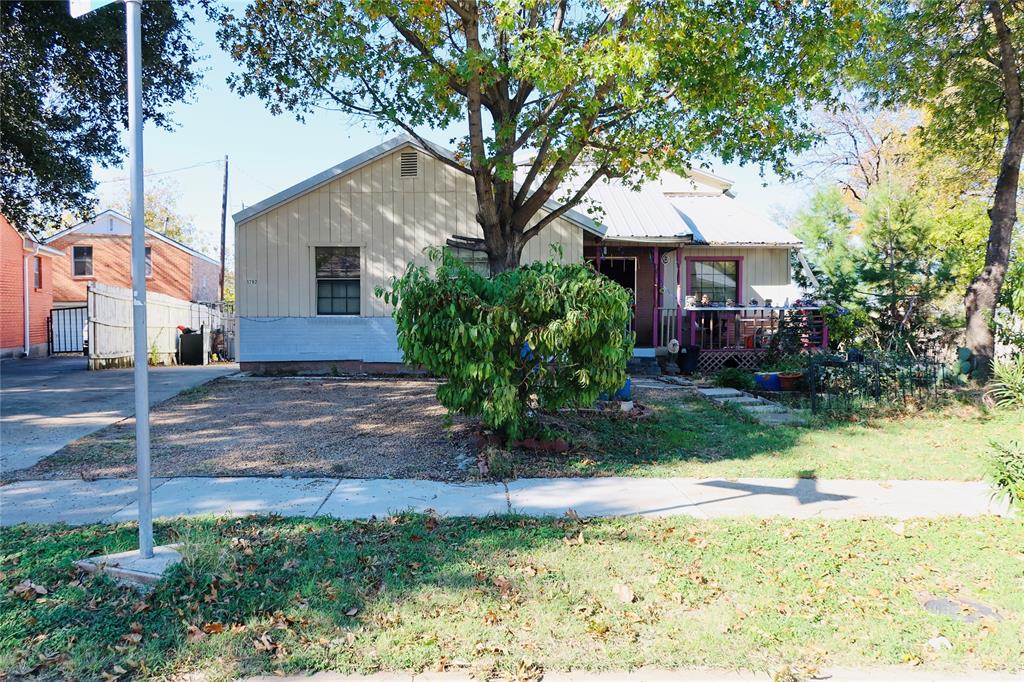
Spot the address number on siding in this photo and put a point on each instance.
(250, 281)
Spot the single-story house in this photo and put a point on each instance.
(99, 250)
(308, 259)
(26, 292)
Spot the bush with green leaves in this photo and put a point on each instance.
(1006, 471)
(734, 377)
(1007, 386)
(547, 332)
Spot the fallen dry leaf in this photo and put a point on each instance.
(29, 590)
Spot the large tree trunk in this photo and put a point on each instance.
(504, 248)
(983, 294)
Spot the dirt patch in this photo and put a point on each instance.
(346, 428)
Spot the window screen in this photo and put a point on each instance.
(81, 257)
(716, 278)
(337, 280)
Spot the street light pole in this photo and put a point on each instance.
(133, 13)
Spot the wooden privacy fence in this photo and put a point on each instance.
(110, 326)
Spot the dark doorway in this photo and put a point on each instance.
(622, 271)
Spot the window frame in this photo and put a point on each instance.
(37, 272)
(315, 303)
(475, 259)
(738, 260)
(75, 259)
(149, 262)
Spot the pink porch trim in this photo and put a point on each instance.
(690, 260)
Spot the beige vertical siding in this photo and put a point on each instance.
(392, 219)
(766, 272)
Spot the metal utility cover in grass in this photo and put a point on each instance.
(964, 610)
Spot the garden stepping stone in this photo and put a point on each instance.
(764, 411)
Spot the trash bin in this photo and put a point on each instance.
(688, 357)
(190, 348)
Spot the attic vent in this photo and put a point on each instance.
(410, 164)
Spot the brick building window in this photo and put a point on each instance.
(37, 272)
(81, 261)
(149, 261)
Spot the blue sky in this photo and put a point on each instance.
(269, 153)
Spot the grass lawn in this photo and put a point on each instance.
(512, 594)
(692, 437)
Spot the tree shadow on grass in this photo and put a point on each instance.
(265, 594)
(678, 431)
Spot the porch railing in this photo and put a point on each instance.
(746, 328)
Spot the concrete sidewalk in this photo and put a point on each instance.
(46, 403)
(113, 500)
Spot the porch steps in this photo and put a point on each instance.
(764, 411)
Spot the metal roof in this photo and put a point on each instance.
(370, 155)
(724, 220)
(680, 209)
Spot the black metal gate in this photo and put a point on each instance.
(66, 330)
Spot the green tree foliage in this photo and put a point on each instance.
(897, 263)
(549, 332)
(162, 213)
(64, 101)
(593, 89)
(960, 62)
(825, 226)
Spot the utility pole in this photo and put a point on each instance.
(223, 226)
(133, 10)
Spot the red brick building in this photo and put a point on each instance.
(99, 250)
(26, 292)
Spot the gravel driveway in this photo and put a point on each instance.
(352, 428)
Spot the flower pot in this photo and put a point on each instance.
(790, 381)
(767, 381)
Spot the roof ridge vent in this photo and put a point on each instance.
(410, 164)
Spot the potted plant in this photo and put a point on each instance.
(790, 370)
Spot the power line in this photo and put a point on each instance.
(165, 172)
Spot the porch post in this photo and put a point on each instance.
(679, 294)
(655, 317)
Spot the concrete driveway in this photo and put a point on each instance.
(47, 403)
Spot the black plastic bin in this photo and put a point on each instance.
(190, 349)
(687, 359)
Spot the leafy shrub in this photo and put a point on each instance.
(1007, 386)
(554, 332)
(1006, 471)
(733, 377)
(795, 362)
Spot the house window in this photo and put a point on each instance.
(718, 279)
(149, 261)
(37, 272)
(81, 259)
(337, 280)
(476, 260)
